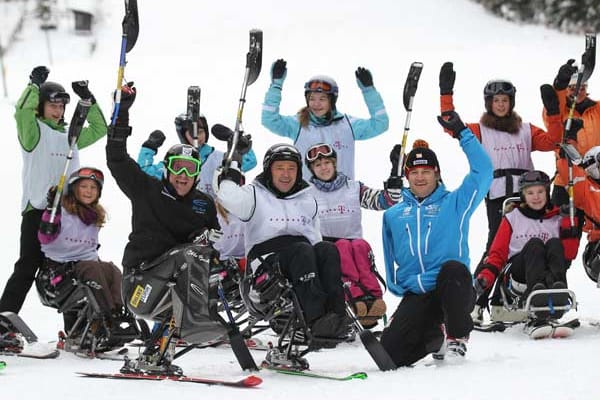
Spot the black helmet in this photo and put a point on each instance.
(533, 178)
(182, 124)
(322, 84)
(319, 150)
(182, 151)
(86, 173)
(281, 152)
(498, 86)
(54, 93)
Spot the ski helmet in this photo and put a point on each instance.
(319, 150)
(184, 152)
(86, 173)
(498, 86)
(322, 84)
(54, 93)
(591, 260)
(591, 163)
(282, 152)
(183, 124)
(533, 178)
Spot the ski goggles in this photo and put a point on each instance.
(91, 173)
(531, 178)
(319, 150)
(178, 165)
(59, 97)
(318, 86)
(499, 87)
(573, 87)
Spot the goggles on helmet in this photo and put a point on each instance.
(531, 178)
(59, 97)
(499, 87)
(318, 86)
(91, 173)
(319, 150)
(178, 165)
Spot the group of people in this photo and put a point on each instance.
(300, 218)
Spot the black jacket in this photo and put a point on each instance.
(160, 219)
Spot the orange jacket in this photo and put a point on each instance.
(590, 203)
(540, 139)
(588, 137)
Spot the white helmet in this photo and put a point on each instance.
(591, 163)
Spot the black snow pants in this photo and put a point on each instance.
(415, 327)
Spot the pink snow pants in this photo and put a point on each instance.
(356, 267)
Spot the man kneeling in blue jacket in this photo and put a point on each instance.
(425, 240)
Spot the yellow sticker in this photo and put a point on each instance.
(136, 296)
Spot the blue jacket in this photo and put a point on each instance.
(419, 237)
(146, 160)
(289, 126)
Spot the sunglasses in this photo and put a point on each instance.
(319, 150)
(318, 86)
(500, 87)
(178, 165)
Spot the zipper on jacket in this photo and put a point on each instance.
(410, 244)
(419, 238)
(427, 237)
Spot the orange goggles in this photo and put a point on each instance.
(320, 150)
(318, 86)
(91, 173)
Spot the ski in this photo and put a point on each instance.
(309, 374)
(113, 355)
(25, 353)
(247, 382)
(496, 326)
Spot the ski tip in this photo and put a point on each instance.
(359, 375)
(252, 380)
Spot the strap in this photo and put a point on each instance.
(508, 173)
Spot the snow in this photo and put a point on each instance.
(204, 43)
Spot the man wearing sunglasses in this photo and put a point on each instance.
(168, 215)
(320, 121)
(43, 138)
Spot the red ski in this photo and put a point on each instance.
(247, 382)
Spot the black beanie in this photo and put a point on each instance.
(421, 156)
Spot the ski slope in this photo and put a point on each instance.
(188, 42)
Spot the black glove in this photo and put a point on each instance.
(279, 69)
(364, 77)
(447, 77)
(155, 140)
(393, 182)
(82, 90)
(232, 173)
(453, 123)
(549, 99)
(128, 93)
(39, 75)
(395, 158)
(50, 197)
(576, 125)
(244, 144)
(564, 75)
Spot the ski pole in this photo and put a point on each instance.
(253, 66)
(193, 111)
(77, 121)
(129, 37)
(410, 88)
(585, 71)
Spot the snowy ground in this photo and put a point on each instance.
(202, 43)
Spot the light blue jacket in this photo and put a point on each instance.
(146, 160)
(289, 126)
(418, 237)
